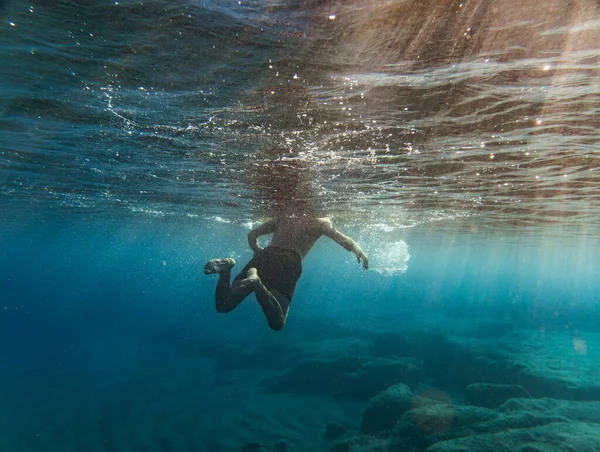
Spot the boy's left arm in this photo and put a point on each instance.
(266, 228)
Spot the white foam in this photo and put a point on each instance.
(218, 219)
(390, 258)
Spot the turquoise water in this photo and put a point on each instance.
(456, 142)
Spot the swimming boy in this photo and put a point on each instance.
(273, 271)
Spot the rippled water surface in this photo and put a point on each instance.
(400, 112)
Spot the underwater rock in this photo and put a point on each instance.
(490, 395)
(561, 366)
(538, 382)
(572, 410)
(367, 443)
(343, 446)
(282, 446)
(519, 424)
(566, 436)
(254, 447)
(443, 423)
(334, 431)
(438, 422)
(351, 377)
(522, 420)
(427, 420)
(355, 444)
(386, 408)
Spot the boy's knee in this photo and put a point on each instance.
(276, 325)
(223, 308)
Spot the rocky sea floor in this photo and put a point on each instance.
(491, 388)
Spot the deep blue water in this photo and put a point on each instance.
(110, 340)
(457, 142)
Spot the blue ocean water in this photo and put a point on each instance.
(456, 141)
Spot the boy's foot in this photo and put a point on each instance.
(251, 279)
(218, 265)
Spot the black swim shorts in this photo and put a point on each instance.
(278, 268)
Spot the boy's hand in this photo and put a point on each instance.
(365, 261)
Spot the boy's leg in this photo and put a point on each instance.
(274, 305)
(227, 296)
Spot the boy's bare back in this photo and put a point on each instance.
(300, 234)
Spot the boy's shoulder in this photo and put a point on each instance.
(325, 223)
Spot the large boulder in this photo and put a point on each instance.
(386, 408)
